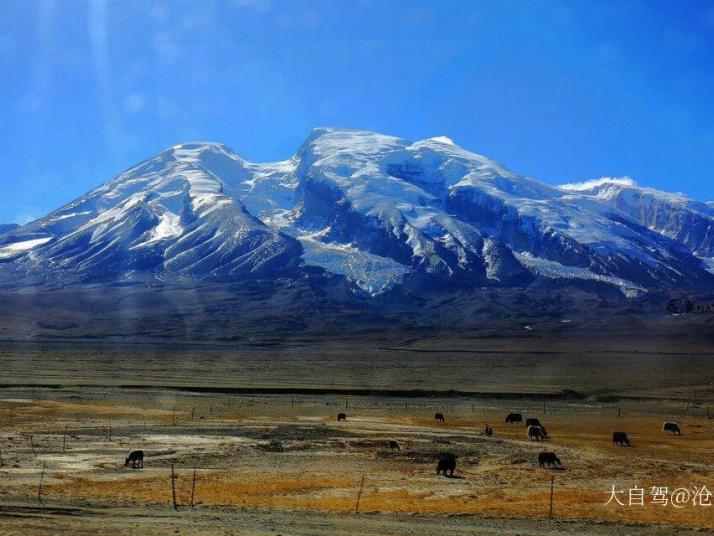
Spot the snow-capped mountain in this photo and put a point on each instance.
(379, 211)
(169, 216)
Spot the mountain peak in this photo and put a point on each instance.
(194, 150)
(346, 137)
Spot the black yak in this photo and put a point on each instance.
(446, 464)
(549, 459)
(136, 458)
(671, 428)
(514, 417)
(620, 438)
(535, 432)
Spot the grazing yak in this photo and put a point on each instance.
(549, 459)
(439, 417)
(532, 422)
(446, 464)
(620, 438)
(394, 445)
(671, 428)
(514, 417)
(536, 432)
(341, 416)
(136, 459)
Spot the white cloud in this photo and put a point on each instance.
(594, 183)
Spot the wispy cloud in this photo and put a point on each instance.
(594, 183)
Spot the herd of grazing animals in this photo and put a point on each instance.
(534, 429)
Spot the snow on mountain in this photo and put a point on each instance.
(17, 248)
(555, 270)
(377, 210)
(709, 264)
(688, 222)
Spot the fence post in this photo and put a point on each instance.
(193, 486)
(39, 488)
(550, 510)
(359, 495)
(173, 486)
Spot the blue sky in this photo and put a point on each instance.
(562, 91)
